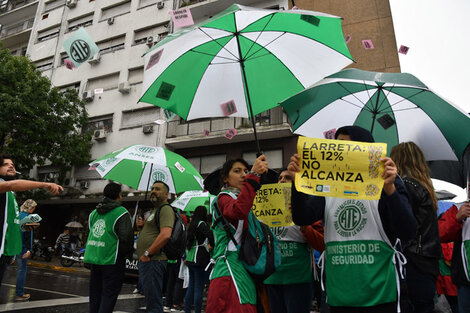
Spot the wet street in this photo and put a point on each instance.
(58, 289)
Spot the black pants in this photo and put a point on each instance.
(381, 308)
(172, 270)
(421, 289)
(105, 285)
(4, 262)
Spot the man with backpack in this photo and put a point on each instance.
(156, 232)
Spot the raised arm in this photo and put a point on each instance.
(23, 185)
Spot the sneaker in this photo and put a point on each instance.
(24, 297)
(166, 309)
(136, 291)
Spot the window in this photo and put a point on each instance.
(139, 117)
(116, 10)
(48, 33)
(107, 82)
(274, 157)
(160, 31)
(82, 21)
(44, 64)
(75, 86)
(48, 173)
(146, 3)
(136, 75)
(101, 122)
(111, 45)
(54, 4)
(208, 164)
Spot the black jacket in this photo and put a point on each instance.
(424, 250)
(203, 232)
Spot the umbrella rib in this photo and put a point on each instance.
(263, 47)
(354, 95)
(253, 42)
(407, 98)
(215, 56)
(223, 47)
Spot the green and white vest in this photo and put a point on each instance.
(359, 258)
(296, 259)
(225, 256)
(466, 246)
(11, 237)
(102, 245)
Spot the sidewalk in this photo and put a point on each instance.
(55, 265)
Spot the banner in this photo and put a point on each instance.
(80, 47)
(272, 205)
(339, 168)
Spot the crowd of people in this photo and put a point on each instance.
(398, 261)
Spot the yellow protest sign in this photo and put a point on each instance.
(272, 205)
(339, 168)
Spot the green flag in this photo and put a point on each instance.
(80, 47)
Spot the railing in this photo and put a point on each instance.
(16, 28)
(178, 127)
(6, 6)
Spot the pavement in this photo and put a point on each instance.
(55, 265)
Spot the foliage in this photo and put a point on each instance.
(39, 123)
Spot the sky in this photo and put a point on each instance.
(438, 35)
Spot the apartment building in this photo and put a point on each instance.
(111, 82)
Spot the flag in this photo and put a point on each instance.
(80, 47)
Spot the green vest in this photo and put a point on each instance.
(102, 244)
(225, 254)
(296, 260)
(11, 241)
(358, 257)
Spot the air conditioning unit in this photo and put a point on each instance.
(95, 59)
(84, 184)
(99, 135)
(147, 129)
(111, 21)
(160, 5)
(124, 87)
(71, 3)
(149, 41)
(88, 95)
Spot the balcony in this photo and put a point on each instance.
(15, 34)
(269, 124)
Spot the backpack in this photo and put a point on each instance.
(259, 250)
(176, 245)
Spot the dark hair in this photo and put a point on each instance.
(164, 184)
(112, 191)
(228, 166)
(198, 215)
(4, 157)
(356, 133)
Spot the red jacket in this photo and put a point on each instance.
(314, 235)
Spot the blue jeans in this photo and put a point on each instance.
(152, 273)
(197, 279)
(20, 274)
(463, 296)
(292, 298)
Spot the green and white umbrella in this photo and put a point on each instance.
(395, 107)
(243, 59)
(138, 166)
(190, 200)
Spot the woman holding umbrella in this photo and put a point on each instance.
(232, 289)
(197, 258)
(424, 250)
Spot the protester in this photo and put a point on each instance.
(152, 260)
(109, 243)
(454, 226)
(9, 219)
(26, 208)
(289, 288)
(232, 290)
(197, 258)
(424, 250)
(367, 281)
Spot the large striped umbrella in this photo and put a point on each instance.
(242, 61)
(395, 107)
(188, 201)
(138, 166)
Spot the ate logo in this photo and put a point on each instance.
(159, 176)
(99, 228)
(80, 51)
(146, 149)
(350, 218)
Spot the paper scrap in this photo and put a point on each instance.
(97, 91)
(230, 133)
(181, 17)
(159, 122)
(69, 64)
(154, 59)
(330, 134)
(347, 39)
(206, 132)
(368, 45)
(403, 49)
(228, 108)
(179, 167)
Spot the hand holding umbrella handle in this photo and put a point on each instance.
(260, 166)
